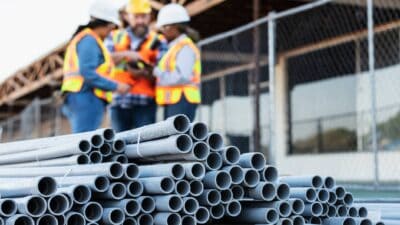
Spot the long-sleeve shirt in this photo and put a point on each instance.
(90, 57)
(185, 61)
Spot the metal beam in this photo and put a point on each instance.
(200, 6)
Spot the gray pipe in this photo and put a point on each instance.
(215, 141)
(61, 219)
(147, 204)
(298, 220)
(226, 196)
(339, 221)
(19, 219)
(341, 211)
(316, 220)
(73, 218)
(129, 221)
(70, 200)
(297, 206)
(283, 207)
(131, 171)
(325, 209)
(331, 211)
(18, 187)
(329, 182)
(258, 216)
(174, 170)
(362, 221)
(95, 183)
(58, 204)
(251, 178)
(33, 206)
(340, 192)
(283, 192)
(177, 144)
(131, 207)
(196, 188)
(198, 131)
(332, 198)
(190, 205)
(134, 188)
(269, 174)
(303, 181)
(47, 219)
(8, 207)
(92, 211)
(168, 203)
(79, 159)
(233, 208)
(263, 191)
(230, 155)
(121, 158)
(238, 192)
(145, 219)
(348, 199)
(165, 218)
(220, 180)
(352, 212)
(312, 209)
(217, 211)
(188, 220)
(389, 222)
(95, 157)
(158, 185)
(202, 215)
(380, 223)
(322, 195)
(254, 160)
(199, 152)
(194, 171)
(236, 173)
(113, 216)
(178, 124)
(80, 194)
(285, 221)
(209, 197)
(105, 149)
(213, 161)
(182, 188)
(362, 212)
(305, 194)
(118, 146)
(117, 191)
(112, 170)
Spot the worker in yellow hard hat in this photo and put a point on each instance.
(135, 50)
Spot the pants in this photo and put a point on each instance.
(84, 111)
(123, 119)
(181, 107)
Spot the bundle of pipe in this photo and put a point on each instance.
(178, 173)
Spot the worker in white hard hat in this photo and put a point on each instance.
(87, 69)
(179, 70)
(135, 50)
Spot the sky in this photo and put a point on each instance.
(32, 28)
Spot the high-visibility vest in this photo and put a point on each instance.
(166, 95)
(73, 80)
(148, 51)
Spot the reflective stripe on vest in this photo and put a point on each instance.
(166, 95)
(73, 80)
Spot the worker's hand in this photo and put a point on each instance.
(131, 55)
(123, 88)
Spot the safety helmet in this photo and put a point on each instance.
(105, 10)
(171, 14)
(138, 6)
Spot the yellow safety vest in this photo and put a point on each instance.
(73, 80)
(167, 95)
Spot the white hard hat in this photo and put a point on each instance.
(171, 14)
(105, 10)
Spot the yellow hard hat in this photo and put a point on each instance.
(138, 6)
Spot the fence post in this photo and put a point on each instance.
(271, 84)
(371, 62)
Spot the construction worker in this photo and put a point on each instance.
(178, 72)
(135, 51)
(87, 68)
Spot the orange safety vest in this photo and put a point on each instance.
(122, 42)
(167, 95)
(73, 80)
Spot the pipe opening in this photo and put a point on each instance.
(178, 172)
(184, 143)
(201, 150)
(223, 180)
(60, 219)
(116, 171)
(349, 221)
(365, 222)
(331, 211)
(214, 161)
(362, 212)
(58, 204)
(84, 146)
(213, 197)
(198, 171)
(108, 134)
(188, 220)
(332, 198)
(270, 174)
(175, 203)
(271, 216)
(129, 221)
(285, 222)
(132, 171)
(47, 220)
(196, 187)
(234, 208)
(340, 192)
(118, 190)
(148, 205)
(258, 161)
(132, 207)
(119, 146)
(93, 211)
(317, 182)
(117, 216)
(316, 209)
(135, 188)
(82, 159)
(268, 191)
(95, 157)
(101, 183)
(284, 209)
(251, 177)
(329, 182)
(8, 207)
(105, 149)
(145, 220)
(97, 141)
(348, 199)
(24, 220)
(199, 131)
(202, 215)
(298, 206)
(82, 194)
(182, 188)
(190, 205)
(238, 192)
(283, 191)
(315, 220)
(236, 174)
(74, 219)
(173, 219)
(47, 186)
(341, 211)
(215, 141)
(120, 158)
(217, 211)
(325, 209)
(353, 212)
(232, 154)
(311, 195)
(226, 196)
(167, 185)
(323, 195)
(181, 123)
(298, 220)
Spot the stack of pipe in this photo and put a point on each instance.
(170, 173)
